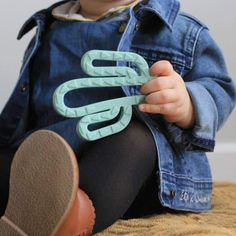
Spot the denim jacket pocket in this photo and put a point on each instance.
(178, 60)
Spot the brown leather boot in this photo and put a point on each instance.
(44, 198)
(81, 218)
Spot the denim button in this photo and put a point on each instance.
(137, 27)
(122, 27)
(172, 193)
(23, 88)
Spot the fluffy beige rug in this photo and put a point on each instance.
(220, 221)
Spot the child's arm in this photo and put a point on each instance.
(212, 93)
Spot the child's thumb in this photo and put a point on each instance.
(161, 68)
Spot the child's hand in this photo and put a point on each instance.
(167, 95)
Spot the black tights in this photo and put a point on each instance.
(118, 173)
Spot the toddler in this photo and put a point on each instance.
(61, 184)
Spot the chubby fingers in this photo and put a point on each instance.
(163, 72)
(165, 92)
(161, 97)
(163, 102)
(158, 84)
(163, 109)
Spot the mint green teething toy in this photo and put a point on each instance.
(104, 77)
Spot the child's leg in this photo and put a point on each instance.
(147, 201)
(114, 169)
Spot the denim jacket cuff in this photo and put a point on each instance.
(188, 139)
(202, 135)
(194, 143)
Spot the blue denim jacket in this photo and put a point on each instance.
(157, 31)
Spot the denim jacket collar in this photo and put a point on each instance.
(166, 10)
(40, 17)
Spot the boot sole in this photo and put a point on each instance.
(43, 186)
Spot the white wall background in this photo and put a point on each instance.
(219, 16)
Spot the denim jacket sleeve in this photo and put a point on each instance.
(213, 96)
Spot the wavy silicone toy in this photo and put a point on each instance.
(104, 77)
